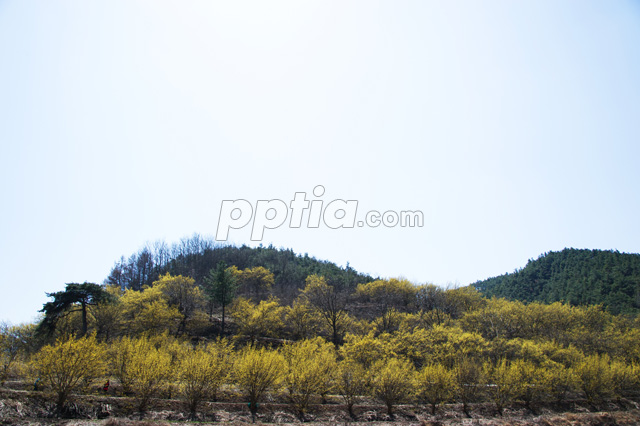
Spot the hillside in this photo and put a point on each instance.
(579, 277)
(196, 347)
(196, 256)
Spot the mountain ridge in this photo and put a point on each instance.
(574, 276)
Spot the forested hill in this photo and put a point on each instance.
(579, 277)
(196, 256)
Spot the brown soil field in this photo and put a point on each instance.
(25, 407)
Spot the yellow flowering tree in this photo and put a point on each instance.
(351, 383)
(309, 366)
(201, 371)
(255, 280)
(68, 365)
(120, 354)
(562, 380)
(535, 381)
(261, 320)
(505, 383)
(468, 376)
(392, 381)
(595, 377)
(14, 342)
(183, 294)
(435, 385)
(302, 320)
(149, 312)
(256, 371)
(141, 367)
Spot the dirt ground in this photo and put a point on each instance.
(24, 407)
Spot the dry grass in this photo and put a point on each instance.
(20, 407)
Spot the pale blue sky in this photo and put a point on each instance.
(514, 127)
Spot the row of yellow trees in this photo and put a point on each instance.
(148, 367)
(438, 345)
(396, 307)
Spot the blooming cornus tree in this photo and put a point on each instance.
(309, 367)
(256, 371)
(201, 372)
(435, 385)
(392, 381)
(69, 365)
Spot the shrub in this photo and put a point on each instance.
(255, 371)
(69, 365)
(201, 372)
(309, 365)
(595, 376)
(435, 385)
(351, 382)
(392, 381)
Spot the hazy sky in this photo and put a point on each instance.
(513, 126)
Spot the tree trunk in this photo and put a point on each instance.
(84, 318)
(193, 409)
(62, 398)
(465, 409)
(334, 329)
(222, 328)
(253, 407)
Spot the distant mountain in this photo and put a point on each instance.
(579, 277)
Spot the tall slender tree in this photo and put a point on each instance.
(220, 286)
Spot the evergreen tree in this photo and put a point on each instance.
(221, 288)
(80, 296)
